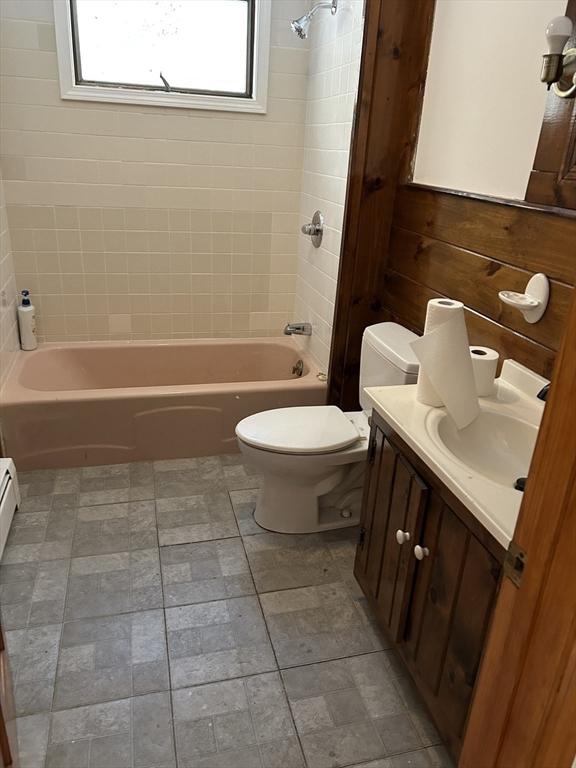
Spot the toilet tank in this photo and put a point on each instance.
(386, 358)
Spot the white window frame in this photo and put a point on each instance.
(70, 89)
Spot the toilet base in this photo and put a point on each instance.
(286, 507)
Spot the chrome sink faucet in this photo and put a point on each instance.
(298, 329)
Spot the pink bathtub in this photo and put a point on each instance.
(77, 404)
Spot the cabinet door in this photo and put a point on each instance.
(454, 591)
(394, 502)
(373, 518)
(406, 509)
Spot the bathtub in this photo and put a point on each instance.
(77, 404)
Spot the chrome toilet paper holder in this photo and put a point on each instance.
(533, 302)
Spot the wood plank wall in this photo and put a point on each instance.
(444, 244)
(405, 244)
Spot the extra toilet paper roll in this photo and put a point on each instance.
(446, 376)
(484, 364)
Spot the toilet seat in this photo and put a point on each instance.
(299, 430)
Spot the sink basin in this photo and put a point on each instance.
(495, 445)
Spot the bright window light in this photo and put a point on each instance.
(187, 46)
(187, 54)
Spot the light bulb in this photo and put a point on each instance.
(557, 33)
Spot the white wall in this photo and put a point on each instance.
(133, 222)
(9, 342)
(335, 49)
(484, 102)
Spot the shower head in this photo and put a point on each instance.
(300, 26)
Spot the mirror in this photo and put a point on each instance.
(483, 100)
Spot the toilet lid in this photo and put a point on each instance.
(307, 429)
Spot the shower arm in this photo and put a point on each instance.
(333, 5)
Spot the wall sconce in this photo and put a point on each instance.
(559, 66)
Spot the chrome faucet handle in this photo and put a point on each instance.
(298, 329)
(315, 229)
(311, 229)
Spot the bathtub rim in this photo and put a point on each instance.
(14, 393)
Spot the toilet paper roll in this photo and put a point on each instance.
(484, 364)
(446, 377)
(437, 312)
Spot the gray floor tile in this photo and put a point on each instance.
(340, 746)
(317, 623)
(216, 641)
(117, 583)
(188, 477)
(227, 723)
(116, 483)
(49, 481)
(421, 758)
(33, 657)
(248, 757)
(110, 528)
(398, 733)
(32, 738)
(33, 594)
(111, 657)
(189, 519)
(212, 570)
(352, 708)
(238, 475)
(244, 504)
(282, 561)
(32, 502)
(40, 536)
(439, 757)
(109, 682)
(127, 733)
(425, 727)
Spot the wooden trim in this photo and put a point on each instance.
(449, 270)
(406, 302)
(526, 205)
(536, 241)
(524, 706)
(395, 53)
(553, 178)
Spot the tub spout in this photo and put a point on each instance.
(298, 329)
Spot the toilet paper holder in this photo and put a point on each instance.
(533, 302)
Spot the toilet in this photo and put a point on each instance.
(312, 458)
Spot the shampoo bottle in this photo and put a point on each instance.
(27, 323)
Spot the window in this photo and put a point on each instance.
(203, 54)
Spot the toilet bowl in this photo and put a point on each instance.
(312, 458)
(313, 482)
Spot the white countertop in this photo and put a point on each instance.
(494, 505)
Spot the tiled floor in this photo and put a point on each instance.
(151, 623)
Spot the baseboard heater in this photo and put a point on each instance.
(9, 498)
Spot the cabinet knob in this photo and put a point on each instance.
(421, 552)
(402, 536)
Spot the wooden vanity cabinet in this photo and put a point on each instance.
(430, 572)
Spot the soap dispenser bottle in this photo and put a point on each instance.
(27, 323)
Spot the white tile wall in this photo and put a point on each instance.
(334, 64)
(138, 222)
(9, 342)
